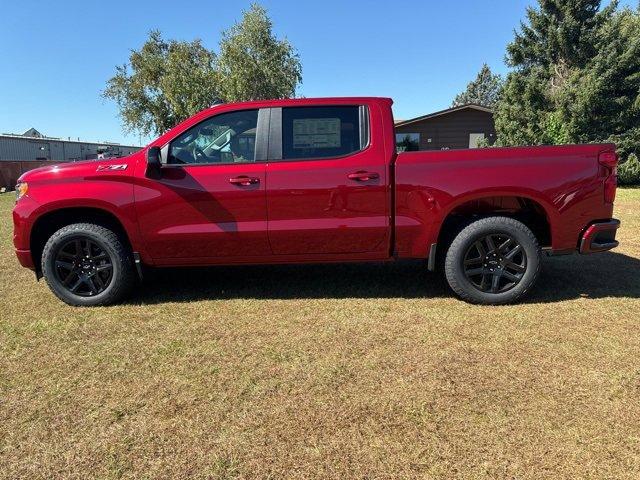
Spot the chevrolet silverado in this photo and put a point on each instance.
(312, 180)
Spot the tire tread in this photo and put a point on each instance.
(473, 229)
(122, 285)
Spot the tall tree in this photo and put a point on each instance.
(559, 38)
(253, 64)
(602, 101)
(484, 90)
(559, 32)
(164, 83)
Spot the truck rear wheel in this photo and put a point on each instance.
(86, 265)
(493, 261)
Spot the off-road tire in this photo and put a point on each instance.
(122, 276)
(464, 286)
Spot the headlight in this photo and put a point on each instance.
(21, 190)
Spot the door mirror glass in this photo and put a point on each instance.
(154, 166)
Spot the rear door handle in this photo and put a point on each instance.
(244, 181)
(363, 176)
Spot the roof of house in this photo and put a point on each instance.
(32, 132)
(472, 106)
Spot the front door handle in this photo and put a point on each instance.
(244, 181)
(363, 176)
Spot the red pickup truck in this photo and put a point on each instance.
(312, 180)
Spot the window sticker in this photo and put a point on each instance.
(316, 133)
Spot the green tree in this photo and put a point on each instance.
(253, 64)
(560, 33)
(629, 171)
(163, 83)
(602, 101)
(166, 82)
(484, 90)
(558, 40)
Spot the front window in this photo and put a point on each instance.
(407, 142)
(225, 138)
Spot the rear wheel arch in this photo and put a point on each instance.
(50, 222)
(531, 212)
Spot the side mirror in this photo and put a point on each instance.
(154, 166)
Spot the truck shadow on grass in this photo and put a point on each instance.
(587, 276)
(562, 278)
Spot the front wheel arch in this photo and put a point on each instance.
(50, 222)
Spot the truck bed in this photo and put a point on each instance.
(565, 182)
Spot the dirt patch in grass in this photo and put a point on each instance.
(368, 371)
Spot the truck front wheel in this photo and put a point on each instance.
(86, 265)
(493, 261)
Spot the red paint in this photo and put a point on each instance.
(197, 212)
(371, 205)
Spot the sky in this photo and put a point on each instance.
(55, 57)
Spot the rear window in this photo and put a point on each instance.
(322, 132)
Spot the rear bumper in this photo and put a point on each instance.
(600, 237)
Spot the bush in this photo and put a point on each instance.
(628, 149)
(629, 171)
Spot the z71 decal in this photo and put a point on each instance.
(104, 168)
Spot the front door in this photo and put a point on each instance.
(210, 202)
(326, 183)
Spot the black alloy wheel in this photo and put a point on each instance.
(495, 263)
(83, 267)
(86, 265)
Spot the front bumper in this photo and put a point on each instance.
(23, 213)
(25, 258)
(600, 237)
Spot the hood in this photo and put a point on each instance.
(81, 169)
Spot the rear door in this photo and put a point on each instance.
(326, 182)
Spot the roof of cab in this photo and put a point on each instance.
(306, 102)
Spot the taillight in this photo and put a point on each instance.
(610, 185)
(609, 160)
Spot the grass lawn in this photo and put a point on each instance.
(368, 371)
